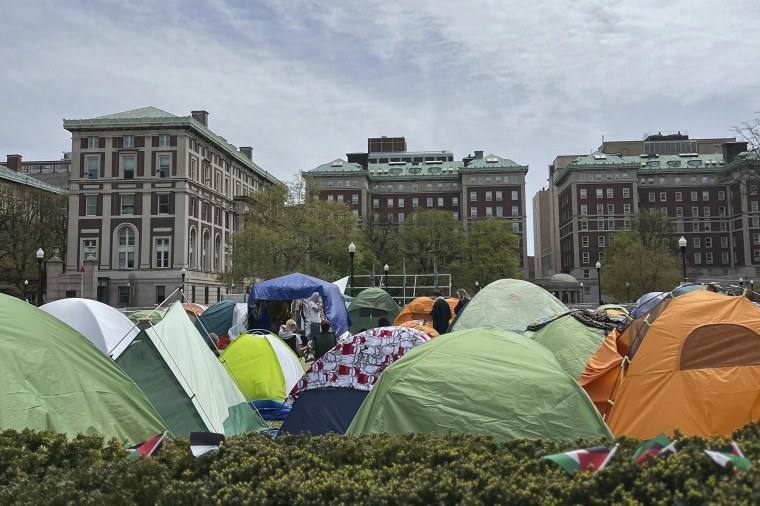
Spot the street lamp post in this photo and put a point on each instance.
(599, 279)
(351, 253)
(752, 290)
(581, 292)
(627, 291)
(682, 245)
(40, 255)
(385, 270)
(741, 284)
(477, 287)
(184, 273)
(233, 287)
(26, 290)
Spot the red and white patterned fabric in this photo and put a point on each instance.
(358, 362)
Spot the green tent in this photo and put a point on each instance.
(480, 381)
(152, 315)
(370, 305)
(571, 342)
(508, 304)
(54, 378)
(217, 318)
(185, 381)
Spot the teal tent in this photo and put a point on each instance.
(571, 341)
(218, 318)
(185, 381)
(480, 381)
(508, 304)
(54, 378)
(368, 306)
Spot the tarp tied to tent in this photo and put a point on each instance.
(185, 381)
(368, 306)
(53, 378)
(508, 304)
(104, 326)
(480, 381)
(300, 286)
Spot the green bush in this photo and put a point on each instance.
(49, 468)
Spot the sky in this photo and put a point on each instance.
(305, 82)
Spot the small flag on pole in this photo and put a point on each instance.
(581, 460)
(435, 276)
(372, 276)
(204, 442)
(730, 454)
(660, 445)
(146, 449)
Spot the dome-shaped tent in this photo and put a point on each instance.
(53, 378)
(419, 309)
(480, 381)
(368, 306)
(328, 396)
(508, 304)
(105, 327)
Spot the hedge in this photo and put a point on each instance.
(49, 468)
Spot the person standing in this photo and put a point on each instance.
(464, 298)
(441, 313)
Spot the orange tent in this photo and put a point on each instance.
(421, 325)
(419, 309)
(193, 310)
(695, 367)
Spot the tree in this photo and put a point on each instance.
(381, 237)
(644, 256)
(489, 252)
(29, 219)
(430, 238)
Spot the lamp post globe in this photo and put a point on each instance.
(581, 292)
(183, 272)
(599, 279)
(477, 287)
(385, 270)
(682, 245)
(351, 253)
(40, 255)
(741, 283)
(627, 291)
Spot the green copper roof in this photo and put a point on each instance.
(19, 178)
(405, 169)
(493, 162)
(143, 112)
(152, 117)
(337, 166)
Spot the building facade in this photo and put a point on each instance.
(150, 194)
(388, 183)
(52, 172)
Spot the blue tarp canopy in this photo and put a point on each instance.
(300, 286)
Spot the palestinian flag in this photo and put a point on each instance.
(204, 442)
(581, 460)
(730, 454)
(660, 445)
(146, 449)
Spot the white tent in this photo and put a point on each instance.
(104, 326)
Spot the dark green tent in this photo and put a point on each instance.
(217, 318)
(370, 305)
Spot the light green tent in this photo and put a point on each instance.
(54, 378)
(480, 381)
(508, 304)
(152, 315)
(370, 305)
(185, 381)
(571, 342)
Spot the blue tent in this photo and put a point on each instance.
(300, 286)
(324, 410)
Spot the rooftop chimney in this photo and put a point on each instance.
(478, 155)
(247, 151)
(201, 116)
(14, 162)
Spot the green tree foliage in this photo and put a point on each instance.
(284, 233)
(29, 219)
(643, 256)
(430, 237)
(489, 252)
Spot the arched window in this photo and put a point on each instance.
(217, 252)
(191, 248)
(205, 251)
(126, 248)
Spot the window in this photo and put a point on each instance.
(163, 165)
(124, 295)
(584, 225)
(205, 211)
(753, 206)
(600, 209)
(706, 211)
(390, 202)
(708, 258)
(455, 215)
(679, 212)
(126, 248)
(695, 211)
(584, 209)
(429, 187)
(430, 202)
(584, 241)
(722, 210)
(515, 195)
(651, 196)
(415, 202)
(89, 248)
(516, 227)
(693, 196)
(129, 141)
(474, 212)
(473, 196)
(601, 256)
(93, 142)
(128, 167)
(626, 193)
(160, 294)
(340, 199)
(679, 196)
(128, 204)
(455, 201)
(721, 195)
(515, 211)
(611, 226)
(489, 196)
(708, 242)
(697, 242)
(191, 248)
(375, 203)
(489, 212)
(499, 212)
(627, 224)
(664, 211)
(163, 203)
(90, 205)
(627, 208)
(583, 193)
(162, 253)
(164, 141)
(401, 217)
(92, 167)
(330, 198)
(755, 238)
(217, 253)
(724, 242)
(498, 196)
(757, 255)
(706, 197)
(599, 193)
(600, 241)
(610, 208)
(586, 257)
(440, 201)
(663, 197)
(355, 199)
(610, 193)
(401, 202)
(205, 246)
